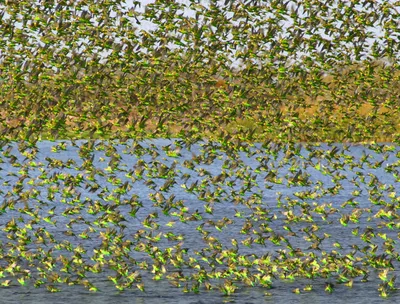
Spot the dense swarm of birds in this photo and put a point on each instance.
(306, 90)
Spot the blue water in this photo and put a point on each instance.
(100, 183)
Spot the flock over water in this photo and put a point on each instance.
(75, 213)
(232, 148)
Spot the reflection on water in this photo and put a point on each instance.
(198, 204)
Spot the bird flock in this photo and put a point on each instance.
(217, 145)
